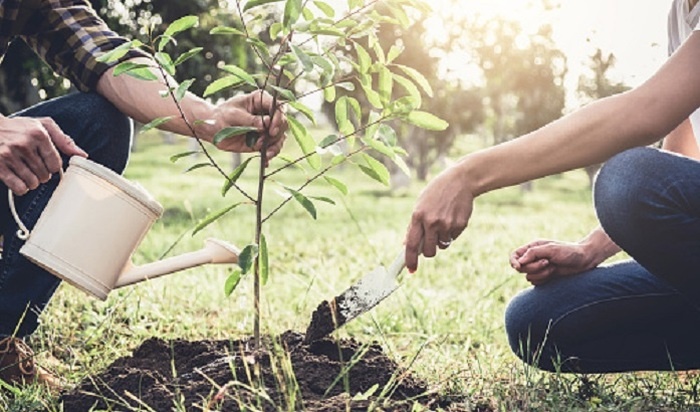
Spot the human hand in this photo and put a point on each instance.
(542, 260)
(440, 215)
(255, 110)
(29, 151)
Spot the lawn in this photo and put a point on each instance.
(447, 319)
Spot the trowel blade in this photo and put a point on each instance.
(371, 289)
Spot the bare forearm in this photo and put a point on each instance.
(598, 246)
(142, 101)
(590, 135)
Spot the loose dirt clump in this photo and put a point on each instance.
(224, 375)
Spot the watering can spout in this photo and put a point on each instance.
(214, 251)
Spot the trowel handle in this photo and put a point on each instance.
(22, 232)
(398, 264)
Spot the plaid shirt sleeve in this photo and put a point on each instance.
(70, 37)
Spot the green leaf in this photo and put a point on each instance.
(375, 169)
(398, 161)
(164, 40)
(247, 257)
(240, 73)
(116, 53)
(372, 124)
(181, 90)
(380, 147)
(329, 144)
(400, 15)
(234, 176)
(166, 62)
(255, 3)
(197, 166)
(387, 135)
(426, 121)
(417, 77)
(378, 51)
(127, 66)
(292, 10)
(212, 217)
(305, 142)
(323, 199)
(329, 93)
(342, 188)
(143, 73)
(263, 260)
(227, 132)
(349, 86)
(187, 55)
(308, 14)
(341, 116)
(326, 8)
(275, 30)
(329, 140)
(372, 96)
(394, 52)
(154, 123)
(286, 94)
(232, 282)
(176, 157)
(385, 85)
(258, 44)
(303, 58)
(221, 84)
(356, 108)
(327, 31)
(181, 24)
(355, 3)
(225, 30)
(411, 88)
(304, 201)
(403, 106)
(363, 59)
(305, 110)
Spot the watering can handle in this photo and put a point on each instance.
(22, 232)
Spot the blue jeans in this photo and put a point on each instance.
(641, 314)
(105, 134)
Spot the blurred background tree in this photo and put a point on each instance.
(596, 85)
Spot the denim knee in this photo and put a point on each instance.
(108, 135)
(622, 191)
(526, 327)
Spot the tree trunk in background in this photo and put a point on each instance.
(236, 160)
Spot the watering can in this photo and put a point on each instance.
(91, 227)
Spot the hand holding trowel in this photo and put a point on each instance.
(356, 300)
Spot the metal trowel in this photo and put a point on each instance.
(356, 300)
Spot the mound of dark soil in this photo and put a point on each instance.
(228, 376)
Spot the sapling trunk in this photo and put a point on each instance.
(258, 234)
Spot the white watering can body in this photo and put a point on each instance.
(91, 227)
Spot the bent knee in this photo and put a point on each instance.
(622, 191)
(526, 326)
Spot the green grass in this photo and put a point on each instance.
(447, 318)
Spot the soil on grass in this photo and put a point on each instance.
(224, 375)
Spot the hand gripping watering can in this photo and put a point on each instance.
(91, 226)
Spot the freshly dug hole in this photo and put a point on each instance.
(218, 374)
